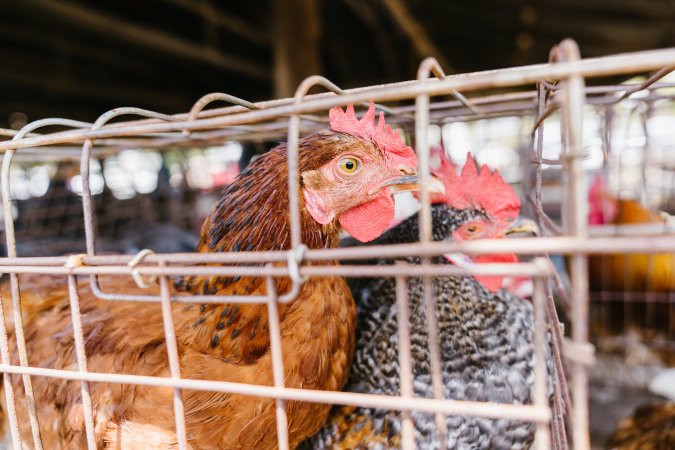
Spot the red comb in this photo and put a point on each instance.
(386, 138)
(477, 189)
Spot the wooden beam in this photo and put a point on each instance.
(657, 9)
(296, 44)
(110, 93)
(40, 110)
(208, 12)
(159, 40)
(367, 14)
(557, 21)
(63, 83)
(423, 43)
(54, 44)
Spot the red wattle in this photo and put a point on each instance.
(369, 220)
(493, 283)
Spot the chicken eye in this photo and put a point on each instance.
(349, 164)
(471, 229)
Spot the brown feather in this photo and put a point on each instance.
(215, 342)
(652, 427)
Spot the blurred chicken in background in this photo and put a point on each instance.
(634, 287)
(635, 272)
(651, 427)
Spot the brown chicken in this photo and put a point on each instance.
(652, 427)
(348, 175)
(627, 272)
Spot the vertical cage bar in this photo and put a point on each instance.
(174, 362)
(434, 352)
(540, 395)
(576, 214)
(277, 362)
(422, 147)
(405, 359)
(16, 300)
(646, 115)
(87, 203)
(7, 382)
(293, 179)
(425, 225)
(81, 356)
(561, 398)
(16, 295)
(292, 153)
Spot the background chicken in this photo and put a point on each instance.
(627, 272)
(651, 427)
(627, 280)
(485, 333)
(347, 174)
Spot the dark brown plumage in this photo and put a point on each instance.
(652, 427)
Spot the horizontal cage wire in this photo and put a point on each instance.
(122, 200)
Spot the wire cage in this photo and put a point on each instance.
(550, 108)
(639, 165)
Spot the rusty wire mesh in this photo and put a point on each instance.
(560, 92)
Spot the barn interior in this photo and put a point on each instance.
(78, 60)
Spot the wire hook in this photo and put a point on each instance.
(74, 261)
(295, 257)
(135, 261)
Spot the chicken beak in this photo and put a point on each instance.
(412, 183)
(523, 225)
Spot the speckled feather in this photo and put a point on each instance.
(486, 352)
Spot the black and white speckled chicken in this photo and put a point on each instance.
(485, 332)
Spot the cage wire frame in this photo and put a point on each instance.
(200, 126)
(644, 108)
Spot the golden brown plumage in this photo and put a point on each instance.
(652, 427)
(215, 342)
(128, 338)
(635, 272)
